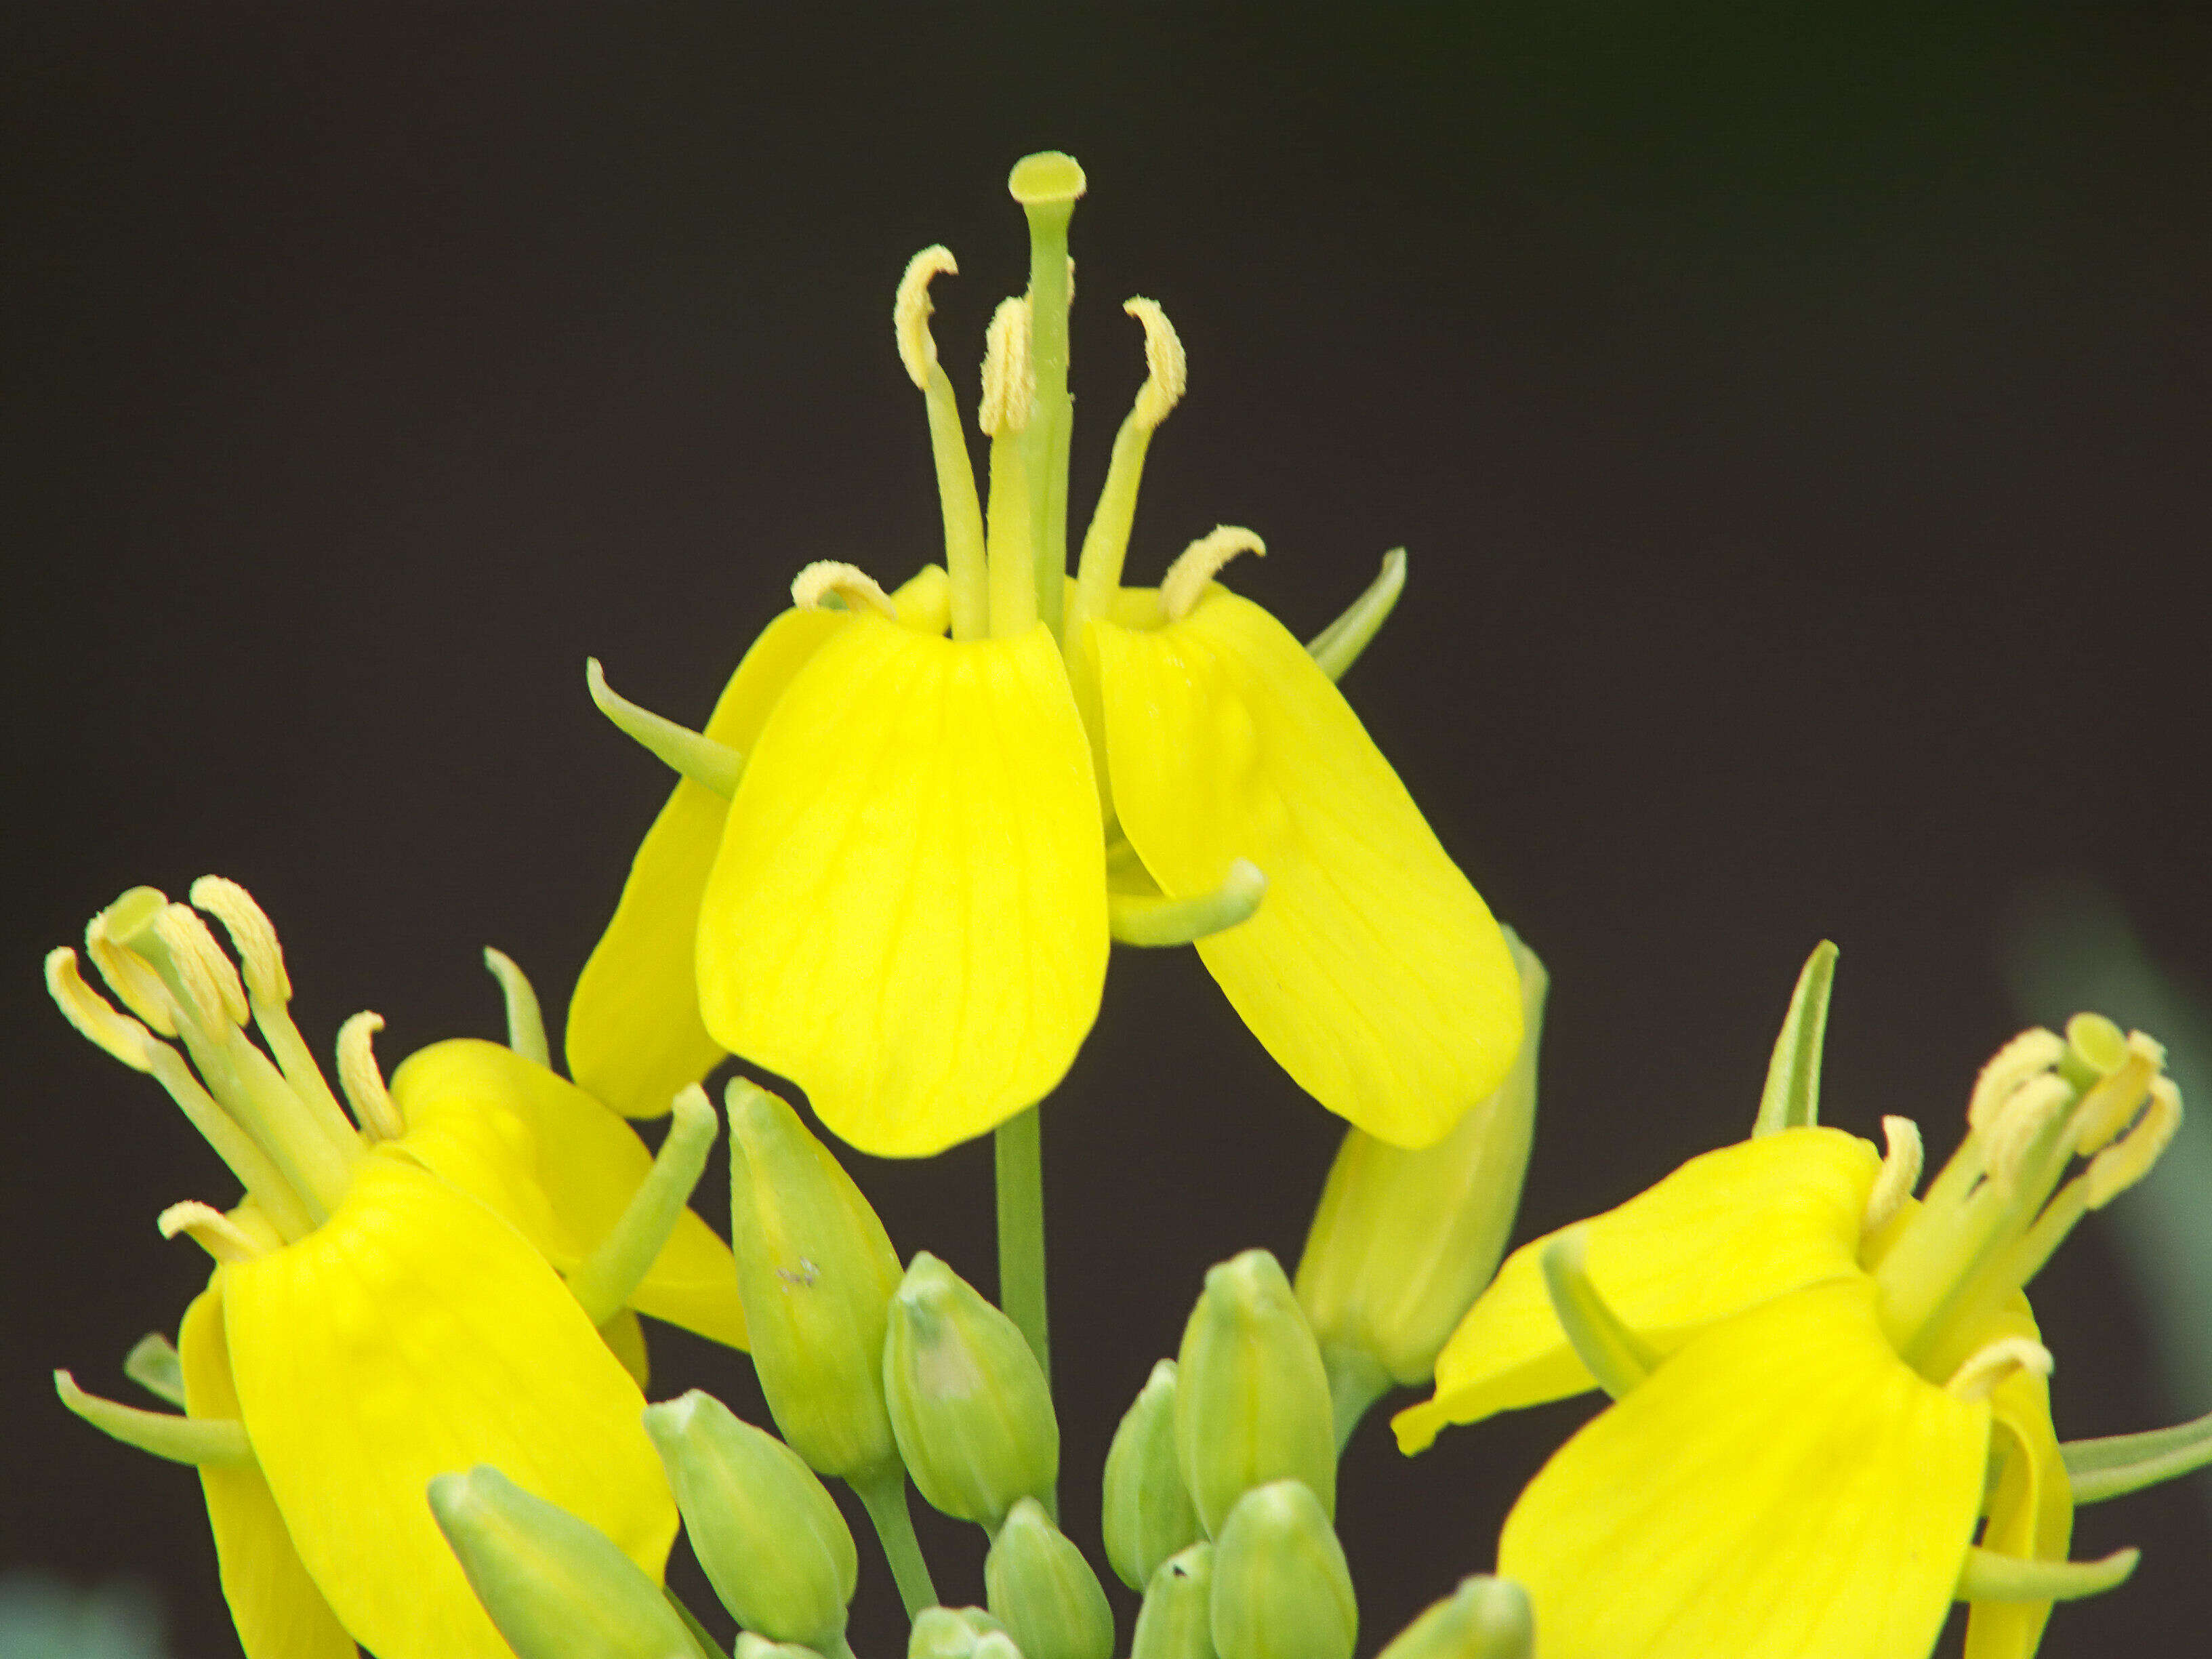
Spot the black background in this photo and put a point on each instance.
(1798, 423)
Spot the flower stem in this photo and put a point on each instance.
(883, 1496)
(1018, 1160)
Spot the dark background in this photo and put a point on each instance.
(1798, 423)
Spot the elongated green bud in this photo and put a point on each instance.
(1148, 1514)
(556, 1586)
(1485, 1618)
(950, 1632)
(970, 1407)
(1251, 1402)
(776, 1550)
(1176, 1621)
(1043, 1590)
(816, 1271)
(1403, 1242)
(1281, 1590)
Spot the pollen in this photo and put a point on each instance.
(1167, 369)
(251, 935)
(211, 1230)
(851, 583)
(373, 1108)
(1900, 1172)
(911, 310)
(1009, 386)
(1991, 1367)
(1199, 563)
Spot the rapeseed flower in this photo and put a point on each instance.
(386, 1305)
(914, 821)
(1832, 1414)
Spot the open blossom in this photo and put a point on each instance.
(894, 866)
(387, 1302)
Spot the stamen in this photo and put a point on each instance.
(1147, 920)
(1990, 1367)
(251, 935)
(526, 1020)
(211, 1230)
(2117, 1168)
(129, 975)
(1167, 370)
(2031, 1052)
(1199, 563)
(851, 583)
(1900, 1172)
(203, 1441)
(911, 310)
(2019, 1134)
(373, 1108)
(2106, 1108)
(92, 1015)
(1009, 388)
(205, 974)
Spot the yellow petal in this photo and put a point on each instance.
(634, 1036)
(2031, 1511)
(1730, 1229)
(412, 1333)
(560, 1167)
(1373, 972)
(1782, 1487)
(908, 917)
(279, 1613)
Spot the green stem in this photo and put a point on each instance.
(1018, 1160)
(883, 1496)
(701, 1638)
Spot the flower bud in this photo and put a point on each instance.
(1403, 1242)
(950, 1632)
(1148, 1515)
(751, 1646)
(969, 1403)
(1281, 1590)
(816, 1271)
(1251, 1402)
(1485, 1618)
(768, 1534)
(1044, 1590)
(556, 1586)
(1176, 1620)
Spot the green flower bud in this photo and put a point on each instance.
(1251, 1402)
(1148, 1514)
(950, 1632)
(768, 1533)
(1176, 1621)
(556, 1586)
(816, 1271)
(1404, 1241)
(1281, 1590)
(969, 1403)
(996, 1645)
(1485, 1618)
(1042, 1586)
(751, 1646)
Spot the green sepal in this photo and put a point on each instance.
(152, 1364)
(1338, 645)
(1281, 1588)
(2123, 1463)
(1148, 1514)
(211, 1442)
(1176, 1619)
(693, 755)
(1791, 1099)
(1485, 1618)
(1616, 1356)
(1040, 1587)
(526, 1020)
(1141, 919)
(1989, 1577)
(604, 1281)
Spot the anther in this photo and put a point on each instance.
(1199, 563)
(2106, 1108)
(373, 1108)
(1167, 370)
(855, 585)
(1991, 1367)
(94, 1015)
(2118, 1167)
(129, 975)
(1900, 1172)
(911, 310)
(1009, 388)
(2020, 1125)
(208, 979)
(211, 1230)
(251, 935)
(2031, 1051)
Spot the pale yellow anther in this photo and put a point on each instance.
(2109, 1106)
(813, 585)
(373, 1108)
(2118, 1167)
(210, 978)
(911, 311)
(212, 1231)
(1009, 388)
(1167, 370)
(1199, 563)
(94, 1015)
(129, 975)
(2031, 1051)
(1900, 1172)
(251, 935)
(1989, 1368)
(2020, 1125)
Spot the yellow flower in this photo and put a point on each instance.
(905, 904)
(386, 1304)
(1823, 1385)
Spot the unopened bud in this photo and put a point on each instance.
(776, 1550)
(556, 1586)
(1485, 1618)
(1043, 1590)
(950, 1632)
(751, 1646)
(816, 1271)
(1148, 1514)
(1176, 1620)
(1281, 1590)
(1252, 1400)
(969, 1403)
(1403, 1242)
